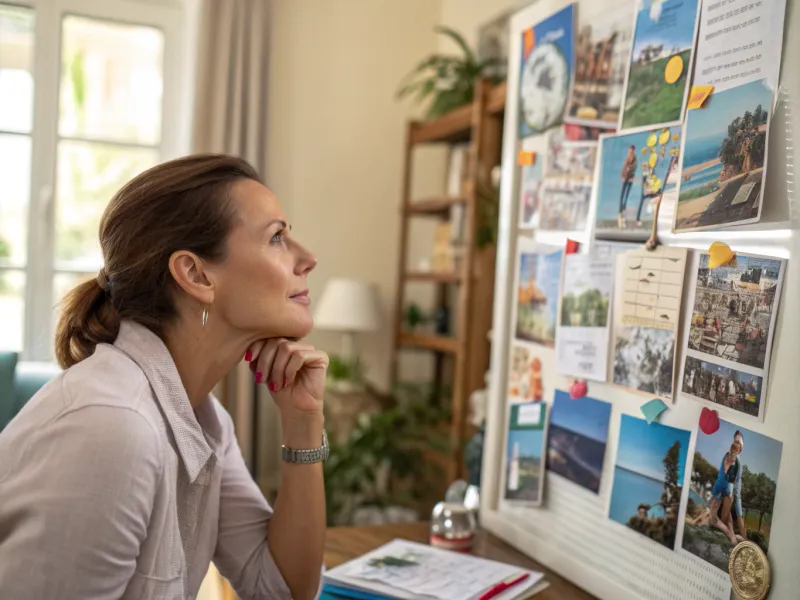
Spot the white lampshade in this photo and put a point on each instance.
(348, 305)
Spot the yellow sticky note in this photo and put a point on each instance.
(719, 254)
(674, 69)
(699, 95)
(526, 158)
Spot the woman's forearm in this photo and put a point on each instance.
(297, 528)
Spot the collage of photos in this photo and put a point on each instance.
(648, 478)
(649, 288)
(729, 335)
(661, 57)
(734, 481)
(525, 453)
(576, 439)
(646, 118)
(723, 159)
(548, 61)
(635, 170)
(536, 307)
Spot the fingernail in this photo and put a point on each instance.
(285, 383)
(258, 377)
(248, 356)
(272, 386)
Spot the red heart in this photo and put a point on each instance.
(577, 390)
(709, 421)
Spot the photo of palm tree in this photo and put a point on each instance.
(724, 159)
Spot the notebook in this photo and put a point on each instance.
(403, 570)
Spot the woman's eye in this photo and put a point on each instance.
(277, 238)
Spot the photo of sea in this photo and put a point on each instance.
(577, 439)
(648, 478)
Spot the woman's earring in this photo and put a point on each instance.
(205, 315)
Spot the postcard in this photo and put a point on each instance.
(538, 276)
(739, 41)
(730, 332)
(584, 317)
(732, 494)
(724, 159)
(566, 189)
(647, 305)
(531, 179)
(648, 478)
(527, 435)
(660, 64)
(545, 72)
(525, 373)
(634, 172)
(576, 439)
(602, 51)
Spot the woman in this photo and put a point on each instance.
(722, 492)
(122, 478)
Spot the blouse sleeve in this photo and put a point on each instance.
(81, 499)
(242, 554)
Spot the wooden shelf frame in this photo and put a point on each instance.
(481, 125)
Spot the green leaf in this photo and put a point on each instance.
(469, 55)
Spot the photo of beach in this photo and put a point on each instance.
(721, 385)
(660, 63)
(632, 176)
(576, 439)
(525, 453)
(734, 481)
(724, 159)
(538, 279)
(648, 478)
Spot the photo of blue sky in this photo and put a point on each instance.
(642, 447)
(530, 442)
(585, 416)
(667, 23)
(761, 454)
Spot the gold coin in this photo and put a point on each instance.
(749, 571)
(673, 70)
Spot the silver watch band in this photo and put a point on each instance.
(313, 455)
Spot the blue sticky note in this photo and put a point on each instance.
(652, 409)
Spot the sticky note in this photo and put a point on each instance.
(709, 421)
(699, 95)
(674, 69)
(652, 409)
(526, 158)
(720, 254)
(572, 247)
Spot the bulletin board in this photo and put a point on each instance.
(570, 531)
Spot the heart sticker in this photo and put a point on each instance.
(709, 421)
(577, 390)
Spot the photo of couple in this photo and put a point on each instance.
(732, 492)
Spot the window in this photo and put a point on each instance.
(92, 92)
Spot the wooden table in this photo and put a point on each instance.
(346, 543)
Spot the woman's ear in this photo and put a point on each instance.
(189, 273)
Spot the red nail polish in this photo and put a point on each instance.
(248, 356)
(258, 377)
(285, 382)
(272, 386)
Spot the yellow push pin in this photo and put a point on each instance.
(720, 254)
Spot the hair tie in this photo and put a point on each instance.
(103, 281)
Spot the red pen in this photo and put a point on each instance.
(504, 585)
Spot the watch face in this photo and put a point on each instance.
(544, 87)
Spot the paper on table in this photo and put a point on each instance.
(408, 570)
(739, 41)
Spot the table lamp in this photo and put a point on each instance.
(349, 306)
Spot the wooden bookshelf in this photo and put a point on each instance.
(466, 351)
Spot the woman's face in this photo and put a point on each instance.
(261, 286)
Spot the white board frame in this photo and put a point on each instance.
(776, 235)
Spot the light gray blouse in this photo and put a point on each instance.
(111, 486)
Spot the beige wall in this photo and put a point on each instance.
(336, 139)
(465, 16)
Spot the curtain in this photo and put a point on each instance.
(230, 118)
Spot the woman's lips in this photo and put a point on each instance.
(301, 297)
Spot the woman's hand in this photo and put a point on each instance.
(294, 372)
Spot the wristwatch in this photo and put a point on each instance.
(306, 457)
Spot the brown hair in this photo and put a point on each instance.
(183, 204)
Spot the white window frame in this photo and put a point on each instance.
(177, 19)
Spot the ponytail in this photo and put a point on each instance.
(87, 318)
